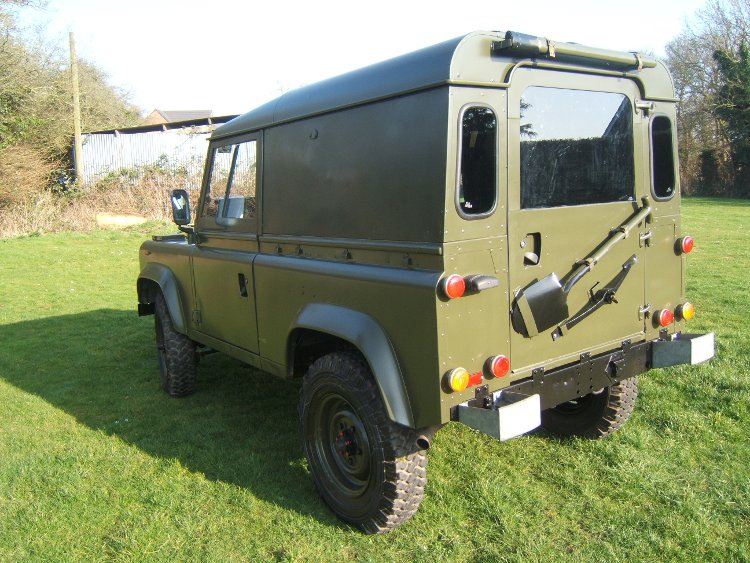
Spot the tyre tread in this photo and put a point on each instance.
(179, 354)
(405, 467)
(599, 420)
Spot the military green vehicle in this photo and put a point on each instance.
(484, 231)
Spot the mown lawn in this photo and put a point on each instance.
(97, 464)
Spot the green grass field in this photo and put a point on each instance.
(97, 464)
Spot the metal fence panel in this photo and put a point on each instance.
(114, 151)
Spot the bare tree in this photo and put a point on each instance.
(705, 155)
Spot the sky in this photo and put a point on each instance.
(230, 56)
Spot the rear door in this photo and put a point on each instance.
(574, 146)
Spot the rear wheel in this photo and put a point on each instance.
(177, 357)
(367, 468)
(595, 415)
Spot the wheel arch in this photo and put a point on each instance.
(158, 277)
(364, 333)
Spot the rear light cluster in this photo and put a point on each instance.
(686, 311)
(664, 317)
(685, 245)
(454, 286)
(683, 312)
(459, 379)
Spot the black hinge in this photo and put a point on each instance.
(538, 378)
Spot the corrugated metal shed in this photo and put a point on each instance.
(179, 146)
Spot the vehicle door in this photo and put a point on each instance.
(228, 244)
(576, 179)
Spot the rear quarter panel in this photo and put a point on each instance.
(400, 300)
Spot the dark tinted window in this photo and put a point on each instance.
(476, 184)
(662, 157)
(576, 147)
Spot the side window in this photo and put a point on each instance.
(477, 184)
(662, 157)
(230, 196)
(576, 147)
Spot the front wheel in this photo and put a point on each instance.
(367, 468)
(176, 352)
(595, 415)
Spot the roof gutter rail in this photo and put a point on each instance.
(520, 45)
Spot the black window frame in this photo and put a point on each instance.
(631, 196)
(652, 154)
(247, 225)
(458, 188)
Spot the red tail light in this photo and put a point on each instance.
(685, 244)
(453, 286)
(664, 317)
(498, 365)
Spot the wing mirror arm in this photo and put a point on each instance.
(192, 236)
(180, 201)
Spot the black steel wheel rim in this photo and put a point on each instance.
(341, 444)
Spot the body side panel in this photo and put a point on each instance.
(400, 301)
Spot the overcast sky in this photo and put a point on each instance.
(231, 56)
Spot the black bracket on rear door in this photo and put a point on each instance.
(604, 296)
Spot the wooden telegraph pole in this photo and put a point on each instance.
(78, 151)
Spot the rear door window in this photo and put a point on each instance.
(576, 147)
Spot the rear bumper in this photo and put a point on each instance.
(683, 349)
(492, 413)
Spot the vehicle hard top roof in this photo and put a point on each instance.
(481, 58)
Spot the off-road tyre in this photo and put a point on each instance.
(368, 469)
(595, 415)
(176, 352)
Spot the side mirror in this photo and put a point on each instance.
(180, 207)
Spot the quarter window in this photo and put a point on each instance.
(662, 157)
(230, 195)
(477, 185)
(576, 147)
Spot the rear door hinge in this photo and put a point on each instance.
(645, 107)
(644, 239)
(196, 317)
(643, 311)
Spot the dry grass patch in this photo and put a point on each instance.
(34, 210)
(24, 171)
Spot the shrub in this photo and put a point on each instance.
(25, 172)
(145, 194)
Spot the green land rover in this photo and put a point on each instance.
(484, 231)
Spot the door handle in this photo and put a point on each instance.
(243, 284)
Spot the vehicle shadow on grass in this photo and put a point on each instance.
(239, 427)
